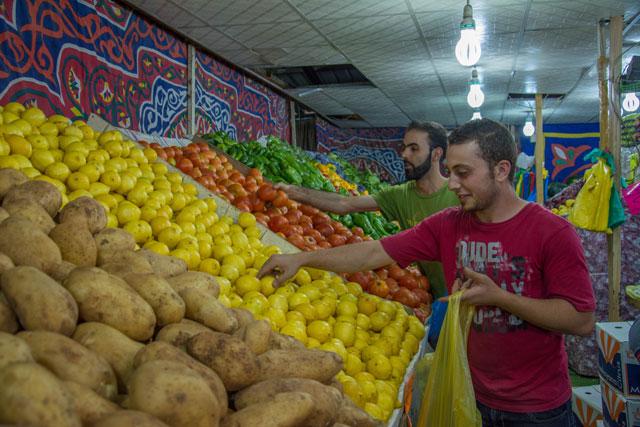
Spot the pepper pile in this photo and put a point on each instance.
(280, 162)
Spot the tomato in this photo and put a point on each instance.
(396, 272)
(297, 240)
(408, 281)
(308, 210)
(406, 297)
(262, 218)
(315, 234)
(337, 240)
(281, 199)
(423, 283)
(422, 295)
(379, 288)
(358, 231)
(354, 239)
(325, 229)
(278, 223)
(185, 165)
(324, 244)
(382, 273)
(320, 218)
(294, 216)
(292, 229)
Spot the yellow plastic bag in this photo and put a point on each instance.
(449, 400)
(591, 209)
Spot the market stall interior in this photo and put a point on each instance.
(150, 152)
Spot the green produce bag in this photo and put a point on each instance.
(616, 210)
(449, 400)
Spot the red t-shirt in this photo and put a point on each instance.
(515, 366)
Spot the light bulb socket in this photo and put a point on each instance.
(468, 23)
(474, 78)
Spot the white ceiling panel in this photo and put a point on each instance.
(406, 50)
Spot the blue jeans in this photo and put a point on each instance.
(561, 416)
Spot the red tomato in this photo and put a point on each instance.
(337, 240)
(379, 288)
(406, 297)
(185, 165)
(278, 223)
(325, 229)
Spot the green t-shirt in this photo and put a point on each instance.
(403, 203)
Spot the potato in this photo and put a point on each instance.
(317, 365)
(39, 302)
(111, 241)
(8, 321)
(3, 214)
(228, 356)
(174, 393)
(256, 334)
(31, 211)
(71, 361)
(195, 280)
(278, 341)
(166, 303)
(76, 243)
(108, 299)
(23, 242)
(164, 265)
(354, 416)
(9, 178)
(60, 271)
(243, 316)
(88, 404)
(13, 349)
(84, 210)
(115, 347)
(129, 419)
(32, 395)
(41, 192)
(290, 409)
(5, 263)
(165, 351)
(122, 263)
(178, 334)
(327, 400)
(203, 307)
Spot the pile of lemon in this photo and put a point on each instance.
(376, 338)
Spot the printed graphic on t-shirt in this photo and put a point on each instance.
(512, 273)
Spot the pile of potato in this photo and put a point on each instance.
(97, 333)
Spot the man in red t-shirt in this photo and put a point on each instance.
(522, 267)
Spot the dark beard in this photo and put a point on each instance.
(417, 172)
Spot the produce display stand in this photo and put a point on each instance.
(267, 236)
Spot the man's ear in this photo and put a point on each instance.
(436, 155)
(501, 170)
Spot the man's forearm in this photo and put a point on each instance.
(323, 200)
(348, 258)
(552, 314)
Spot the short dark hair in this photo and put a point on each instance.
(437, 134)
(495, 141)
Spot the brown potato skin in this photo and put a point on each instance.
(31, 211)
(166, 303)
(129, 418)
(71, 361)
(32, 395)
(288, 409)
(179, 334)
(316, 365)
(84, 210)
(114, 346)
(76, 243)
(164, 351)
(35, 248)
(41, 192)
(8, 321)
(174, 393)
(164, 265)
(88, 404)
(39, 302)
(13, 349)
(108, 299)
(228, 356)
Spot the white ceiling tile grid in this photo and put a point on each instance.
(406, 49)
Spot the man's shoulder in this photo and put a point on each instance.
(545, 220)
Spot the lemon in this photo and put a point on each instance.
(5, 148)
(157, 247)
(379, 320)
(40, 159)
(140, 230)
(352, 389)
(245, 219)
(296, 331)
(58, 171)
(353, 364)
(184, 255)
(19, 145)
(78, 181)
(74, 160)
(127, 212)
(210, 265)
(34, 116)
(295, 316)
(347, 308)
(266, 285)
(110, 178)
(229, 271)
(319, 330)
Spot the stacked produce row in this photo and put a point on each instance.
(375, 338)
(304, 226)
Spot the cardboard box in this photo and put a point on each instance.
(586, 403)
(616, 363)
(617, 410)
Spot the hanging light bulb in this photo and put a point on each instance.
(476, 115)
(475, 98)
(630, 102)
(528, 129)
(468, 49)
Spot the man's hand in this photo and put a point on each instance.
(479, 289)
(282, 267)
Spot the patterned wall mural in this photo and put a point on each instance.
(565, 148)
(76, 57)
(377, 149)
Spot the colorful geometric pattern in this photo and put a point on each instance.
(77, 57)
(565, 148)
(376, 149)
